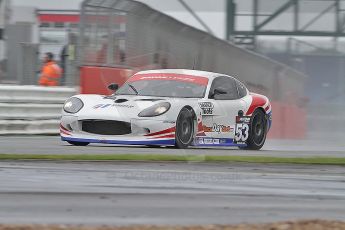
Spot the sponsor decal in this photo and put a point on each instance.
(221, 128)
(216, 128)
(173, 78)
(216, 141)
(208, 141)
(245, 119)
(207, 111)
(170, 77)
(102, 106)
(122, 105)
(206, 107)
(242, 129)
(168, 122)
(207, 129)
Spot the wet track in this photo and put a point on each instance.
(167, 193)
(53, 145)
(160, 193)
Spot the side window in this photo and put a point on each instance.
(242, 90)
(223, 88)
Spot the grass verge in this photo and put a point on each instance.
(177, 158)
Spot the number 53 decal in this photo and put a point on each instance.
(241, 130)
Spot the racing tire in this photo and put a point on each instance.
(184, 133)
(76, 143)
(257, 131)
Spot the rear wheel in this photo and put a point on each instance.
(258, 130)
(76, 143)
(184, 129)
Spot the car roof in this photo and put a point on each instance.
(200, 73)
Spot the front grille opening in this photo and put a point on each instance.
(106, 127)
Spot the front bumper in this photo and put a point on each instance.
(142, 132)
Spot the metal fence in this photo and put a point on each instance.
(129, 34)
(24, 45)
(21, 62)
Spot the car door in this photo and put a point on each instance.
(227, 103)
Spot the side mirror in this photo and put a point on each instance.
(219, 90)
(113, 86)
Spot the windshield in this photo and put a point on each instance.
(165, 85)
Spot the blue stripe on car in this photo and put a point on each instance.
(208, 141)
(118, 142)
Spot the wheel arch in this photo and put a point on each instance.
(191, 109)
(260, 108)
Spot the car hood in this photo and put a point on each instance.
(121, 107)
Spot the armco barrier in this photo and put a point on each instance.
(31, 109)
(94, 79)
(29, 127)
(34, 94)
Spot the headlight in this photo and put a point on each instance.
(73, 105)
(155, 110)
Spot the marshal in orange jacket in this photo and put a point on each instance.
(50, 74)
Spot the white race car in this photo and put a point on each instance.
(170, 107)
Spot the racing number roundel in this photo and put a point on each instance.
(242, 129)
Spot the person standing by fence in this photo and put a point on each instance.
(51, 71)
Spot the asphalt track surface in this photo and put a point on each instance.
(124, 193)
(53, 145)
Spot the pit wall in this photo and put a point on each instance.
(289, 120)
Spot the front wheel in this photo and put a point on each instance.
(76, 143)
(184, 129)
(258, 131)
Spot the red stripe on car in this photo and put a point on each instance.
(166, 136)
(170, 77)
(258, 101)
(170, 130)
(63, 128)
(200, 128)
(64, 132)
